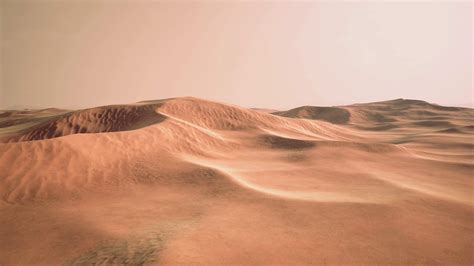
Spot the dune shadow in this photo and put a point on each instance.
(112, 118)
(277, 142)
(335, 115)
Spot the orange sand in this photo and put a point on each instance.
(186, 180)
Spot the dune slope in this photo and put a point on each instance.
(186, 180)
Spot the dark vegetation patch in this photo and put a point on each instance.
(140, 249)
(131, 252)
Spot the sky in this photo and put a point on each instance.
(280, 55)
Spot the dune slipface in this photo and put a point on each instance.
(190, 181)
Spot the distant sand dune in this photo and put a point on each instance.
(186, 180)
(334, 115)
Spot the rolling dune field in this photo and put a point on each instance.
(190, 181)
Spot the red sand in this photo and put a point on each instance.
(192, 181)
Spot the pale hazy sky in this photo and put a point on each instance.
(274, 55)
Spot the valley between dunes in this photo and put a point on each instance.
(191, 181)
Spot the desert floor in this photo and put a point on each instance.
(185, 180)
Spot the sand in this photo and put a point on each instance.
(190, 181)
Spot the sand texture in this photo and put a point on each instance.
(190, 181)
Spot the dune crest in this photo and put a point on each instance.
(386, 115)
(186, 180)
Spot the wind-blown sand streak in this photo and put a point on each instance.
(186, 180)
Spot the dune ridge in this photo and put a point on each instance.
(94, 120)
(389, 114)
(385, 182)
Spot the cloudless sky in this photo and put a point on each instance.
(73, 54)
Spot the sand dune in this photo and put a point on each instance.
(394, 112)
(187, 180)
(95, 120)
(334, 115)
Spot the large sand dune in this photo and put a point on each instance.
(186, 180)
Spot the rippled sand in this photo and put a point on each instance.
(186, 180)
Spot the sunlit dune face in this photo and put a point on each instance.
(251, 169)
(161, 182)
